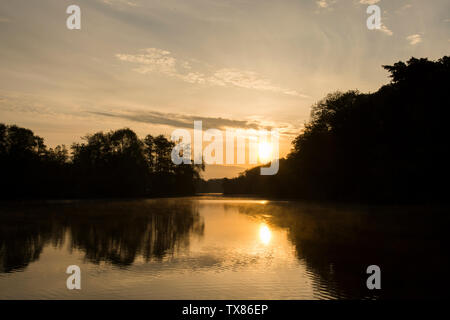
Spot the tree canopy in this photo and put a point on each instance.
(387, 146)
(111, 164)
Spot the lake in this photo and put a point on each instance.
(214, 247)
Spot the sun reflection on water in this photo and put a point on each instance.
(265, 234)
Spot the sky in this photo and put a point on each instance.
(155, 66)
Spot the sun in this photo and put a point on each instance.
(265, 151)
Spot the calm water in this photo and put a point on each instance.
(219, 248)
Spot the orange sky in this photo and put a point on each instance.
(155, 66)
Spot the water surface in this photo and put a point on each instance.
(212, 247)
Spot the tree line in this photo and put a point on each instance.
(387, 146)
(105, 164)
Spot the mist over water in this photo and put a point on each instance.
(214, 247)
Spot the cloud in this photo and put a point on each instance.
(325, 4)
(24, 103)
(404, 8)
(322, 3)
(414, 39)
(179, 120)
(120, 2)
(248, 80)
(38, 108)
(186, 121)
(154, 60)
(368, 1)
(386, 30)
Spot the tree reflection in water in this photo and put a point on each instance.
(338, 243)
(106, 231)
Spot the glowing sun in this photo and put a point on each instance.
(265, 151)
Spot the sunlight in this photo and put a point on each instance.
(265, 234)
(265, 151)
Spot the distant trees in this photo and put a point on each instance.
(111, 164)
(209, 186)
(26, 163)
(387, 146)
(167, 177)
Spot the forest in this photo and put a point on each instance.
(389, 146)
(112, 164)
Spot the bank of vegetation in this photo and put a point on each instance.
(387, 146)
(105, 164)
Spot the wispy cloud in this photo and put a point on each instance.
(120, 2)
(248, 80)
(322, 4)
(386, 30)
(325, 4)
(151, 60)
(403, 9)
(22, 104)
(178, 120)
(414, 39)
(33, 106)
(368, 1)
(154, 60)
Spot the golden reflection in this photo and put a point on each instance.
(265, 234)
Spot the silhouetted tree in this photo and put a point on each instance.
(387, 146)
(112, 164)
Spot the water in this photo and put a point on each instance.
(212, 247)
